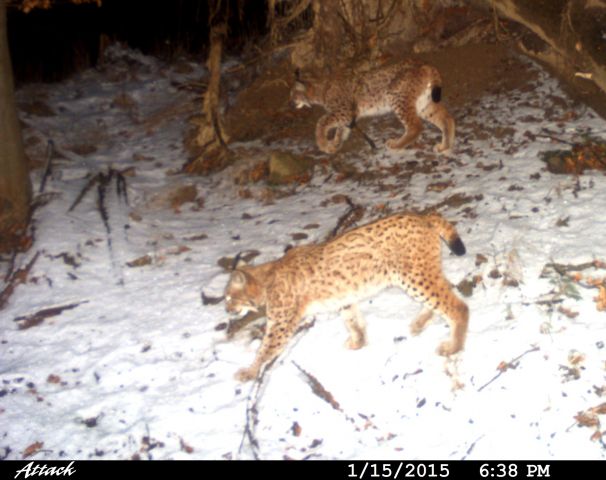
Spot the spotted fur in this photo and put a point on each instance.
(409, 89)
(401, 250)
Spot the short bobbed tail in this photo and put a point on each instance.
(457, 246)
(448, 233)
(436, 93)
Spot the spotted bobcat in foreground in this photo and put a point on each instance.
(401, 250)
(410, 89)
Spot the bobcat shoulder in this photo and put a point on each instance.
(401, 250)
(410, 89)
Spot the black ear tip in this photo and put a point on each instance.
(458, 247)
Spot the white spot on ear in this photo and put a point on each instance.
(238, 279)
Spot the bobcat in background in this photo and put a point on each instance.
(401, 250)
(410, 89)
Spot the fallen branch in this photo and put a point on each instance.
(571, 273)
(318, 389)
(16, 278)
(355, 126)
(504, 366)
(252, 413)
(551, 136)
(49, 165)
(351, 216)
(28, 321)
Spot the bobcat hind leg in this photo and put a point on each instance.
(356, 326)
(412, 124)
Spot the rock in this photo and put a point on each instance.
(287, 167)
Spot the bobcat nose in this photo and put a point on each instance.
(298, 103)
(230, 307)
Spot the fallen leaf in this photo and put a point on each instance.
(185, 447)
(32, 449)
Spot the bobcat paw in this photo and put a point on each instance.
(416, 328)
(356, 344)
(443, 149)
(393, 144)
(330, 148)
(245, 375)
(447, 348)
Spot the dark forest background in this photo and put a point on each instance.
(47, 45)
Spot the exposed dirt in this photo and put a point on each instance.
(263, 111)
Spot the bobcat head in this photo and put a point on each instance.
(244, 293)
(299, 95)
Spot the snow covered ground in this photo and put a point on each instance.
(138, 367)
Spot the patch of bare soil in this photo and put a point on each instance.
(472, 71)
(262, 111)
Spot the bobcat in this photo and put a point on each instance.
(401, 250)
(410, 89)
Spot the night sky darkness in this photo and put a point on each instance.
(48, 45)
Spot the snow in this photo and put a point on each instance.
(139, 367)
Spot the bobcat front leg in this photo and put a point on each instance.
(419, 323)
(407, 114)
(355, 325)
(280, 328)
(324, 126)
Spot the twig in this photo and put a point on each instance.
(101, 190)
(49, 164)
(28, 321)
(353, 214)
(563, 271)
(297, 10)
(102, 180)
(354, 125)
(252, 412)
(121, 187)
(318, 389)
(471, 447)
(16, 278)
(548, 134)
(11, 266)
(91, 181)
(503, 367)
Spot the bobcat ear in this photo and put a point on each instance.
(238, 262)
(300, 84)
(238, 279)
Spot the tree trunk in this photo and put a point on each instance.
(15, 187)
(571, 34)
(357, 32)
(208, 145)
